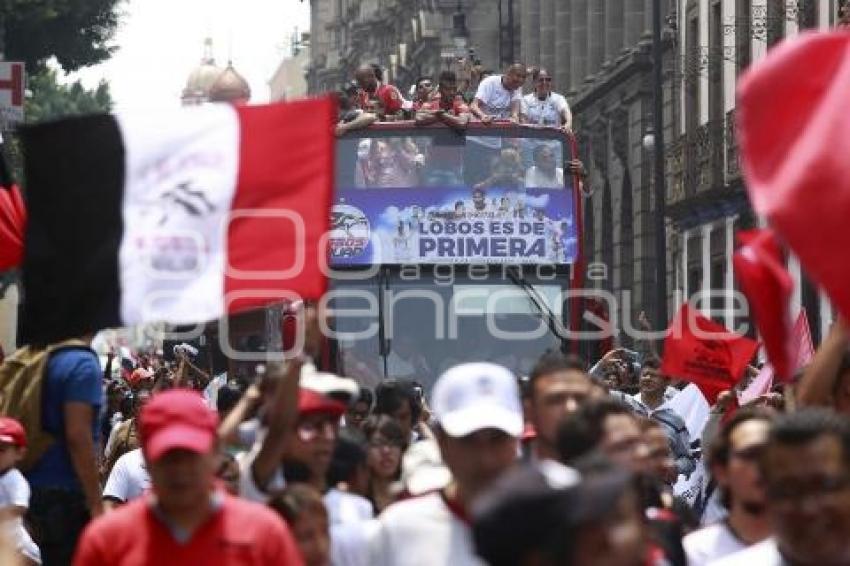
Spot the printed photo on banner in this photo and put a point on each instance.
(454, 200)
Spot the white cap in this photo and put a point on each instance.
(422, 468)
(329, 384)
(471, 397)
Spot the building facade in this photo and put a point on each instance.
(707, 205)
(599, 53)
(408, 38)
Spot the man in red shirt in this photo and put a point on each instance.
(377, 97)
(188, 519)
(446, 105)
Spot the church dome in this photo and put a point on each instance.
(230, 86)
(202, 78)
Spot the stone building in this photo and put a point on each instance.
(707, 205)
(600, 54)
(408, 38)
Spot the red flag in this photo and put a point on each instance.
(13, 221)
(794, 133)
(701, 351)
(759, 266)
(802, 352)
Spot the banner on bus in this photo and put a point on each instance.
(455, 225)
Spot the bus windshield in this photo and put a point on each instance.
(450, 247)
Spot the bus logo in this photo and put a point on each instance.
(350, 231)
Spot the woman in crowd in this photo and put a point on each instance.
(386, 445)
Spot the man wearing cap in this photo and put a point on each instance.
(298, 442)
(480, 421)
(188, 518)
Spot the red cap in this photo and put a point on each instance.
(310, 403)
(12, 432)
(139, 375)
(178, 418)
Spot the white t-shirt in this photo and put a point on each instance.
(764, 553)
(496, 99)
(350, 543)
(15, 492)
(422, 532)
(342, 507)
(546, 112)
(129, 477)
(711, 543)
(537, 179)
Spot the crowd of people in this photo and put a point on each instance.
(496, 97)
(156, 462)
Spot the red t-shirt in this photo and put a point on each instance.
(240, 532)
(458, 106)
(389, 97)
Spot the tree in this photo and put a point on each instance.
(77, 32)
(51, 100)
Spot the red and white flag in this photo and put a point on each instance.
(180, 216)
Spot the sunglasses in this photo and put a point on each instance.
(544, 80)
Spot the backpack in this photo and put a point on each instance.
(22, 377)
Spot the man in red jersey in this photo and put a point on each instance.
(378, 97)
(188, 518)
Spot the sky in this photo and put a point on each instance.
(160, 42)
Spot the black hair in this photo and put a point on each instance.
(379, 72)
(721, 447)
(385, 425)
(296, 500)
(366, 395)
(553, 361)
(350, 452)
(582, 432)
(804, 426)
(651, 362)
(448, 76)
(391, 393)
(227, 398)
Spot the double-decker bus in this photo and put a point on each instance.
(450, 246)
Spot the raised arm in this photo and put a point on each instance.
(817, 387)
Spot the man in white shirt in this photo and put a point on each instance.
(499, 97)
(806, 470)
(733, 459)
(480, 421)
(128, 480)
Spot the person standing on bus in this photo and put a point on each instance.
(423, 92)
(445, 106)
(375, 96)
(499, 97)
(544, 107)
